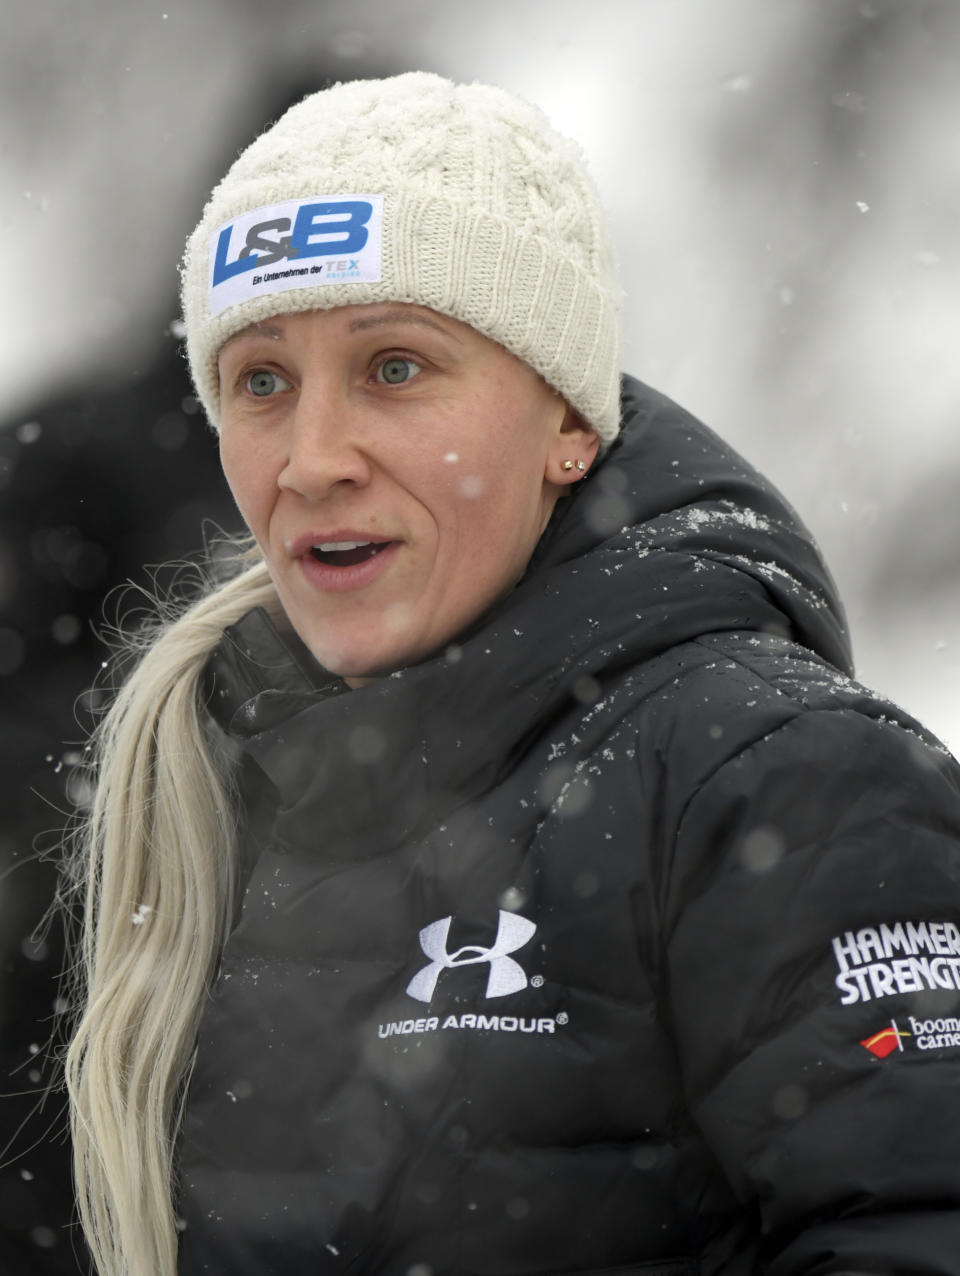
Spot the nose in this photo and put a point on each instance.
(325, 445)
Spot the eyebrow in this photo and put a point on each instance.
(399, 316)
(254, 330)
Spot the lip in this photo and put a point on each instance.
(336, 580)
(303, 544)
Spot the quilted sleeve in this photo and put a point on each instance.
(813, 957)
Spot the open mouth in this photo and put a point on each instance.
(347, 553)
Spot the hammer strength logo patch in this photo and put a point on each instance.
(896, 958)
(506, 975)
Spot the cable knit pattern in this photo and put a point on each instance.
(489, 217)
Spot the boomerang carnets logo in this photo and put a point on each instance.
(885, 1041)
(924, 1034)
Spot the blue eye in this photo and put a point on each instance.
(397, 370)
(263, 383)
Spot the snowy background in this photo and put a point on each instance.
(783, 178)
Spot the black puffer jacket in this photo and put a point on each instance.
(622, 936)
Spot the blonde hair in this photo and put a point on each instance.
(151, 871)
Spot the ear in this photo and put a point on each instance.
(572, 451)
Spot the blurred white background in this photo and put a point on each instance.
(783, 178)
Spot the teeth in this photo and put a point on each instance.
(331, 547)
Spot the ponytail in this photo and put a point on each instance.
(152, 869)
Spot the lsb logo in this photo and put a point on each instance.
(320, 229)
(506, 975)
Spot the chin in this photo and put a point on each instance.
(355, 657)
(356, 669)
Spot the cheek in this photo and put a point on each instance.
(477, 465)
(248, 478)
(464, 496)
(440, 484)
(495, 511)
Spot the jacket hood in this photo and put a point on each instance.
(671, 536)
(672, 489)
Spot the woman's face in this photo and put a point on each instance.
(396, 469)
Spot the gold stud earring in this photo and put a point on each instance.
(568, 465)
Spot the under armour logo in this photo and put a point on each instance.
(506, 975)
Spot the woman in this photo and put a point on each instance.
(501, 873)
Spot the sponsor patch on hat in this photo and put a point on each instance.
(300, 243)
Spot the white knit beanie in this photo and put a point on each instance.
(457, 197)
